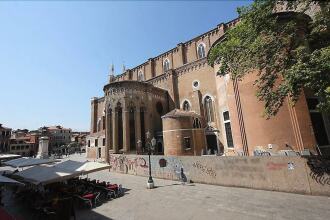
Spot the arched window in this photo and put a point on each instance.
(140, 76)
(201, 51)
(197, 123)
(166, 65)
(99, 124)
(208, 108)
(186, 106)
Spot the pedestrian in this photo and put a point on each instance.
(183, 177)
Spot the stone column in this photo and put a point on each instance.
(115, 131)
(137, 128)
(126, 130)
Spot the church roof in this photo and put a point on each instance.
(178, 113)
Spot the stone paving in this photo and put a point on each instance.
(171, 200)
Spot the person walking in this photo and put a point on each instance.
(183, 177)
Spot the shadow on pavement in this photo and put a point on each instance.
(91, 215)
(175, 184)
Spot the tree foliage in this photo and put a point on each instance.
(289, 51)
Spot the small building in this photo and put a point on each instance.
(183, 133)
(23, 146)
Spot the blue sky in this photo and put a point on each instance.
(55, 56)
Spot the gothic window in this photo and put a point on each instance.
(166, 65)
(208, 108)
(201, 50)
(119, 110)
(140, 76)
(131, 110)
(99, 124)
(186, 106)
(229, 136)
(197, 123)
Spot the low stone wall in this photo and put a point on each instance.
(286, 174)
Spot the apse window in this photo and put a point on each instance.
(96, 142)
(186, 143)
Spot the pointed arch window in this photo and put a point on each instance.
(166, 65)
(201, 50)
(208, 108)
(197, 123)
(186, 106)
(140, 76)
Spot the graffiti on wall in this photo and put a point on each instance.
(205, 169)
(320, 170)
(124, 164)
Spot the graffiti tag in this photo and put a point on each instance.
(204, 169)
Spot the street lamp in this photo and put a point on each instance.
(151, 146)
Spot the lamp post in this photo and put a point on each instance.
(151, 145)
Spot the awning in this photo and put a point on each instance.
(8, 181)
(59, 172)
(83, 167)
(8, 156)
(26, 162)
(44, 175)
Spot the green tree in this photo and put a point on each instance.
(289, 51)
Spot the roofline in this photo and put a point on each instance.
(186, 42)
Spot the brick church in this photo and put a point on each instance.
(189, 109)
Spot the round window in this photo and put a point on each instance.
(195, 84)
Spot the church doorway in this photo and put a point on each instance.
(212, 144)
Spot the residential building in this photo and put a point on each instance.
(5, 134)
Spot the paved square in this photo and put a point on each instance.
(171, 200)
